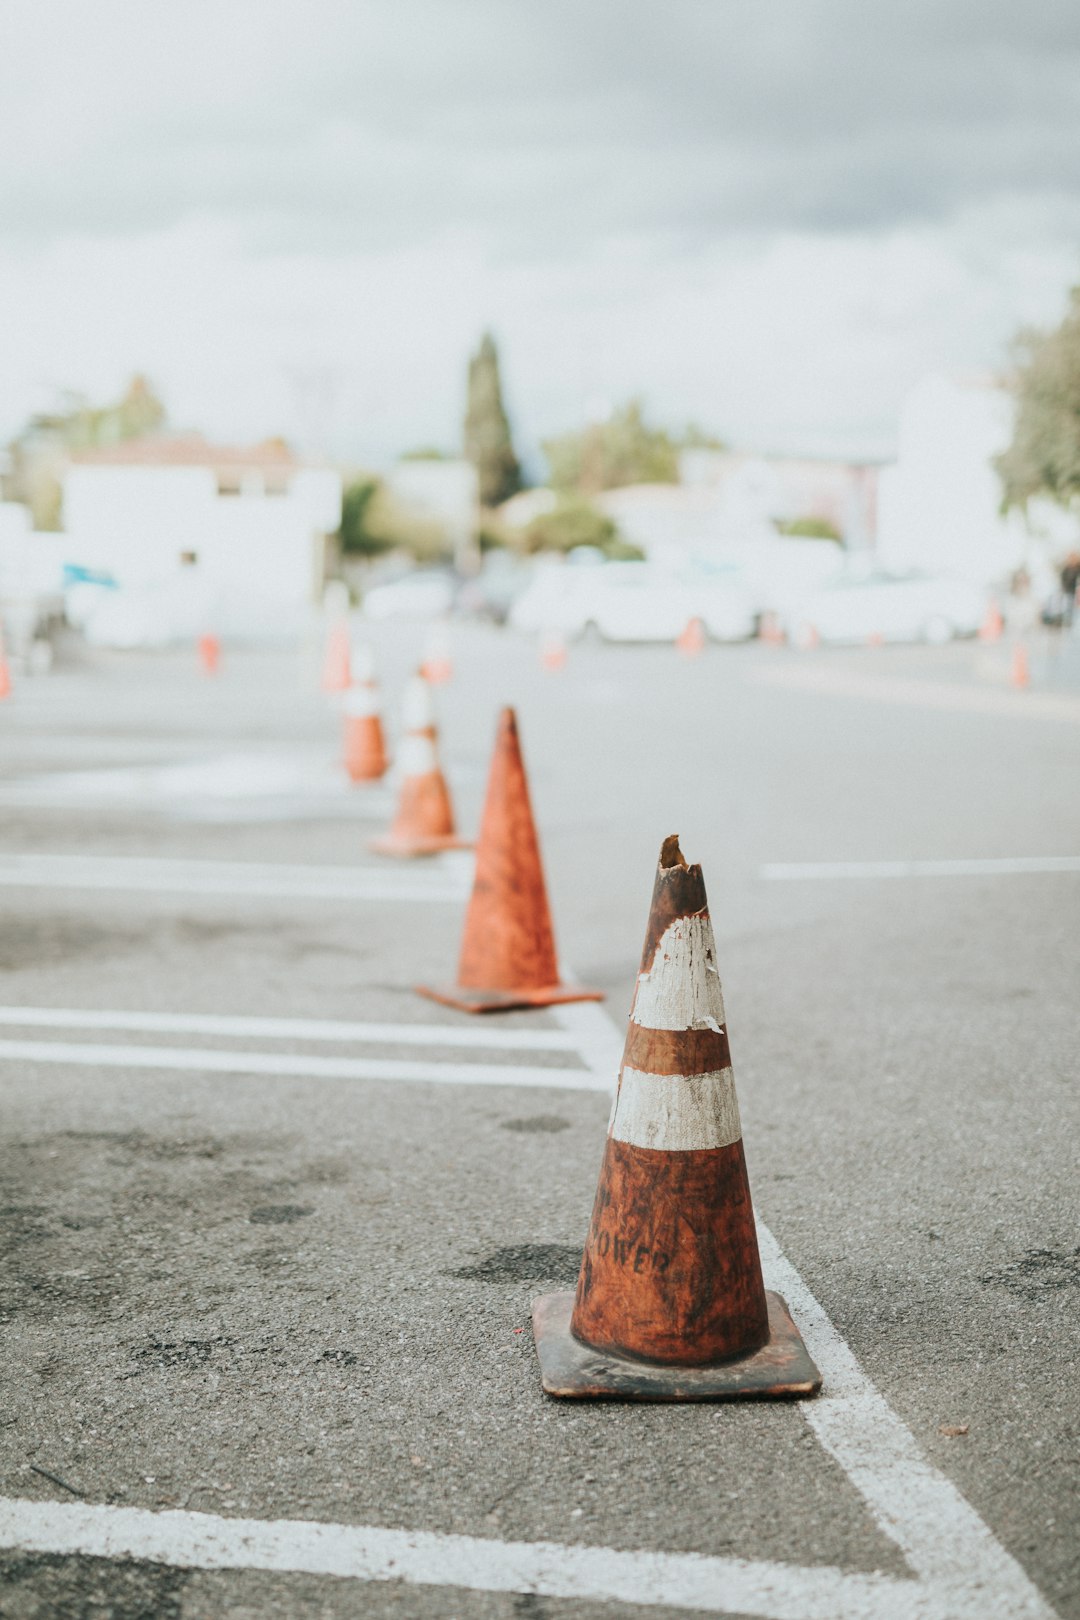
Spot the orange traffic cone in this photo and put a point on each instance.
(508, 952)
(209, 654)
(336, 673)
(1020, 674)
(670, 1303)
(553, 652)
(423, 823)
(365, 744)
(993, 626)
(771, 630)
(5, 671)
(691, 641)
(437, 666)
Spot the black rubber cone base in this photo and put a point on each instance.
(488, 1001)
(780, 1370)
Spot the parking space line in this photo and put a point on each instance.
(421, 1558)
(940, 1534)
(445, 877)
(475, 1038)
(993, 866)
(297, 1066)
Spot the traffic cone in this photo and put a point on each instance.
(993, 626)
(437, 666)
(508, 951)
(209, 654)
(1020, 674)
(670, 1303)
(5, 669)
(365, 744)
(336, 673)
(691, 641)
(423, 823)
(771, 630)
(553, 652)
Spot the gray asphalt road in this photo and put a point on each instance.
(248, 1287)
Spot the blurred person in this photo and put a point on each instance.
(1070, 581)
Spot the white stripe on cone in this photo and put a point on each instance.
(682, 988)
(416, 756)
(360, 702)
(676, 1113)
(417, 705)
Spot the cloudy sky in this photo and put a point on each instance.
(298, 215)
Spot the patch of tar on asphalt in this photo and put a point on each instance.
(340, 1358)
(37, 1585)
(279, 1214)
(1038, 1272)
(526, 1262)
(178, 1352)
(539, 1123)
(48, 942)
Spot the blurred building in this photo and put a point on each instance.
(940, 502)
(727, 500)
(233, 538)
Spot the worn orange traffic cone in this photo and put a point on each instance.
(365, 742)
(553, 652)
(336, 672)
(993, 626)
(1020, 674)
(437, 666)
(670, 1303)
(508, 951)
(423, 822)
(209, 654)
(691, 641)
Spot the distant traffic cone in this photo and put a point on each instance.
(691, 641)
(437, 666)
(993, 626)
(508, 951)
(670, 1303)
(771, 630)
(209, 654)
(553, 652)
(1020, 674)
(423, 823)
(5, 672)
(336, 673)
(365, 743)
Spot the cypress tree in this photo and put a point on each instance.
(488, 444)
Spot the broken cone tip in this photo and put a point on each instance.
(670, 853)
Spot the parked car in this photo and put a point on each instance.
(427, 593)
(634, 601)
(858, 605)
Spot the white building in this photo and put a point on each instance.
(940, 503)
(212, 538)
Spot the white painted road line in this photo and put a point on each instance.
(1000, 866)
(440, 879)
(290, 1029)
(916, 1506)
(296, 1066)
(421, 1558)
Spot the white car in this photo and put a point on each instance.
(633, 601)
(426, 594)
(867, 606)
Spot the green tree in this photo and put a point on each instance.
(1044, 456)
(488, 444)
(572, 522)
(607, 455)
(372, 522)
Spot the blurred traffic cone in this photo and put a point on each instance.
(876, 638)
(365, 744)
(771, 630)
(670, 1303)
(553, 652)
(209, 654)
(993, 626)
(1020, 674)
(691, 641)
(437, 665)
(808, 637)
(5, 671)
(423, 823)
(508, 951)
(336, 673)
